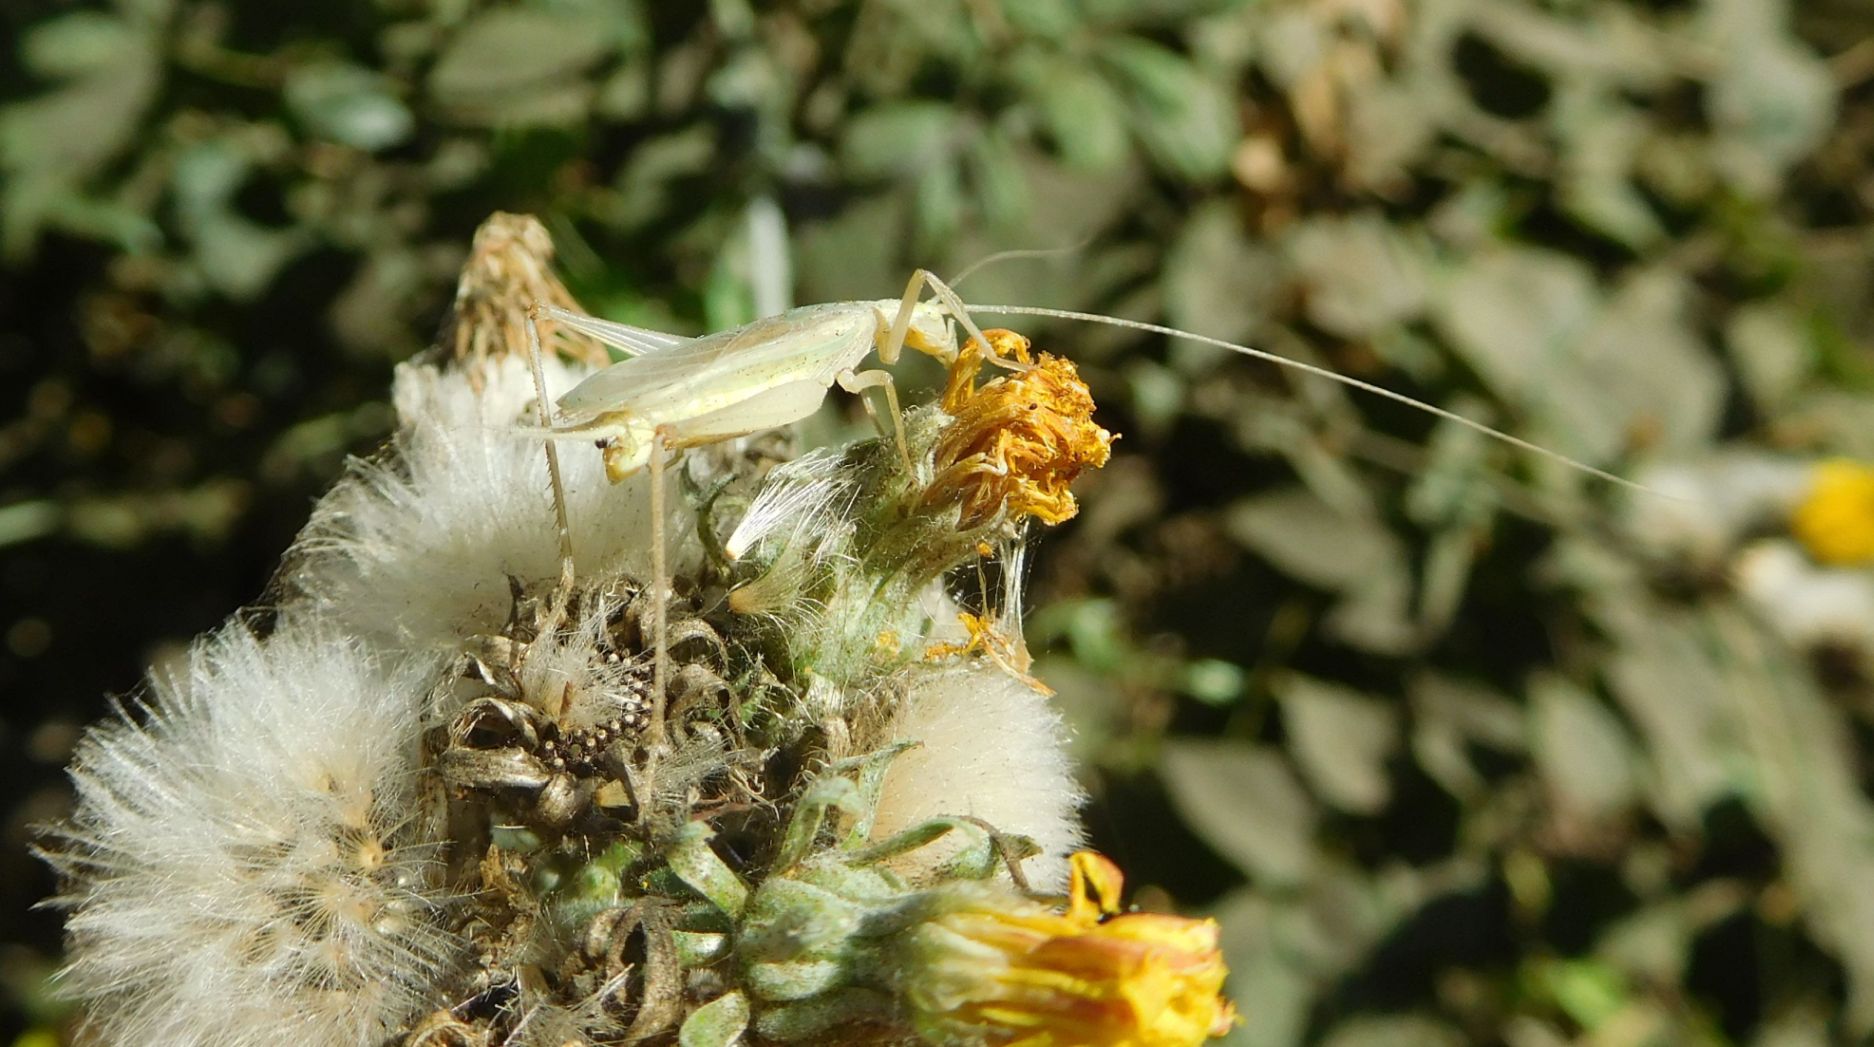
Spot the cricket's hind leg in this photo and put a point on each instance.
(545, 415)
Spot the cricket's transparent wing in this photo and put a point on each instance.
(632, 341)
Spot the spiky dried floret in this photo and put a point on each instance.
(510, 270)
(243, 867)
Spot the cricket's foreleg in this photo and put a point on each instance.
(857, 382)
(961, 313)
(893, 344)
(553, 454)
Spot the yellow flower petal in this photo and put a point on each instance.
(1835, 520)
(1033, 978)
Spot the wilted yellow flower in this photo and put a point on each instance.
(1006, 975)
(1835, 520)
(1018, 440)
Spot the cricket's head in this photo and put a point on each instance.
(930, 331)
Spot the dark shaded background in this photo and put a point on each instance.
(1454, 752)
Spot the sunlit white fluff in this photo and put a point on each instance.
(990, 747)
(1701, 510)
(246, 864)
(1806, 604)
(418, 545)
(796, 498)
(566, 677)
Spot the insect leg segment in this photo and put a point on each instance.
(857, 382)
(545, 414)
(952, 302)
(660, 594)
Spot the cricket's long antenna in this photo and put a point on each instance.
(1020, 252)
(553, 457)
(1322, 372)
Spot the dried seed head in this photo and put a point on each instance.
(509, 270)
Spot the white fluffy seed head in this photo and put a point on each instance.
(247, 865)
(990, 747)
(417, 547)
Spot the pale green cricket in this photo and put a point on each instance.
(677, 392)
(778, 370)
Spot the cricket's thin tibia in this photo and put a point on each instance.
(660, 593)
(857, 382)
(553, 455)
(1322, 372)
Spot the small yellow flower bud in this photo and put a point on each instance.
(1003, 973)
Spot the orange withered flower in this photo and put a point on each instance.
(1018, 440)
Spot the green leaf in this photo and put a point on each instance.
(523, 65)
(348, 105)
(1770, 344)
(1582, 751)
(898, 138)
(111, 71)
(718, 1023)
(1342, 740)
(237, 256)
(1185, 118)
(1361, 273)
(1514, 313)
(1000, 182)
(1216, 281)
(1083, 115)
(1048, 19)
(1452, 717)
(1771, 100)
(1304, 536)
(1245, 802)
(78, 43)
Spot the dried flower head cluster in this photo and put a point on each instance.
(442, 801)
(1018, 441)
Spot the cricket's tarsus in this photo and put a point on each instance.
(1321, 372)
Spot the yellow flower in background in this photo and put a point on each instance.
(1037, 978)
(1835, 519)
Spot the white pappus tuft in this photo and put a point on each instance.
(797, 498)
(245, 866)
(991, 747)
(417, 547)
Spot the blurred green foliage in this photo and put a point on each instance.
(1452, 755)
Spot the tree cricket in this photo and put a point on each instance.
(675, 392)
